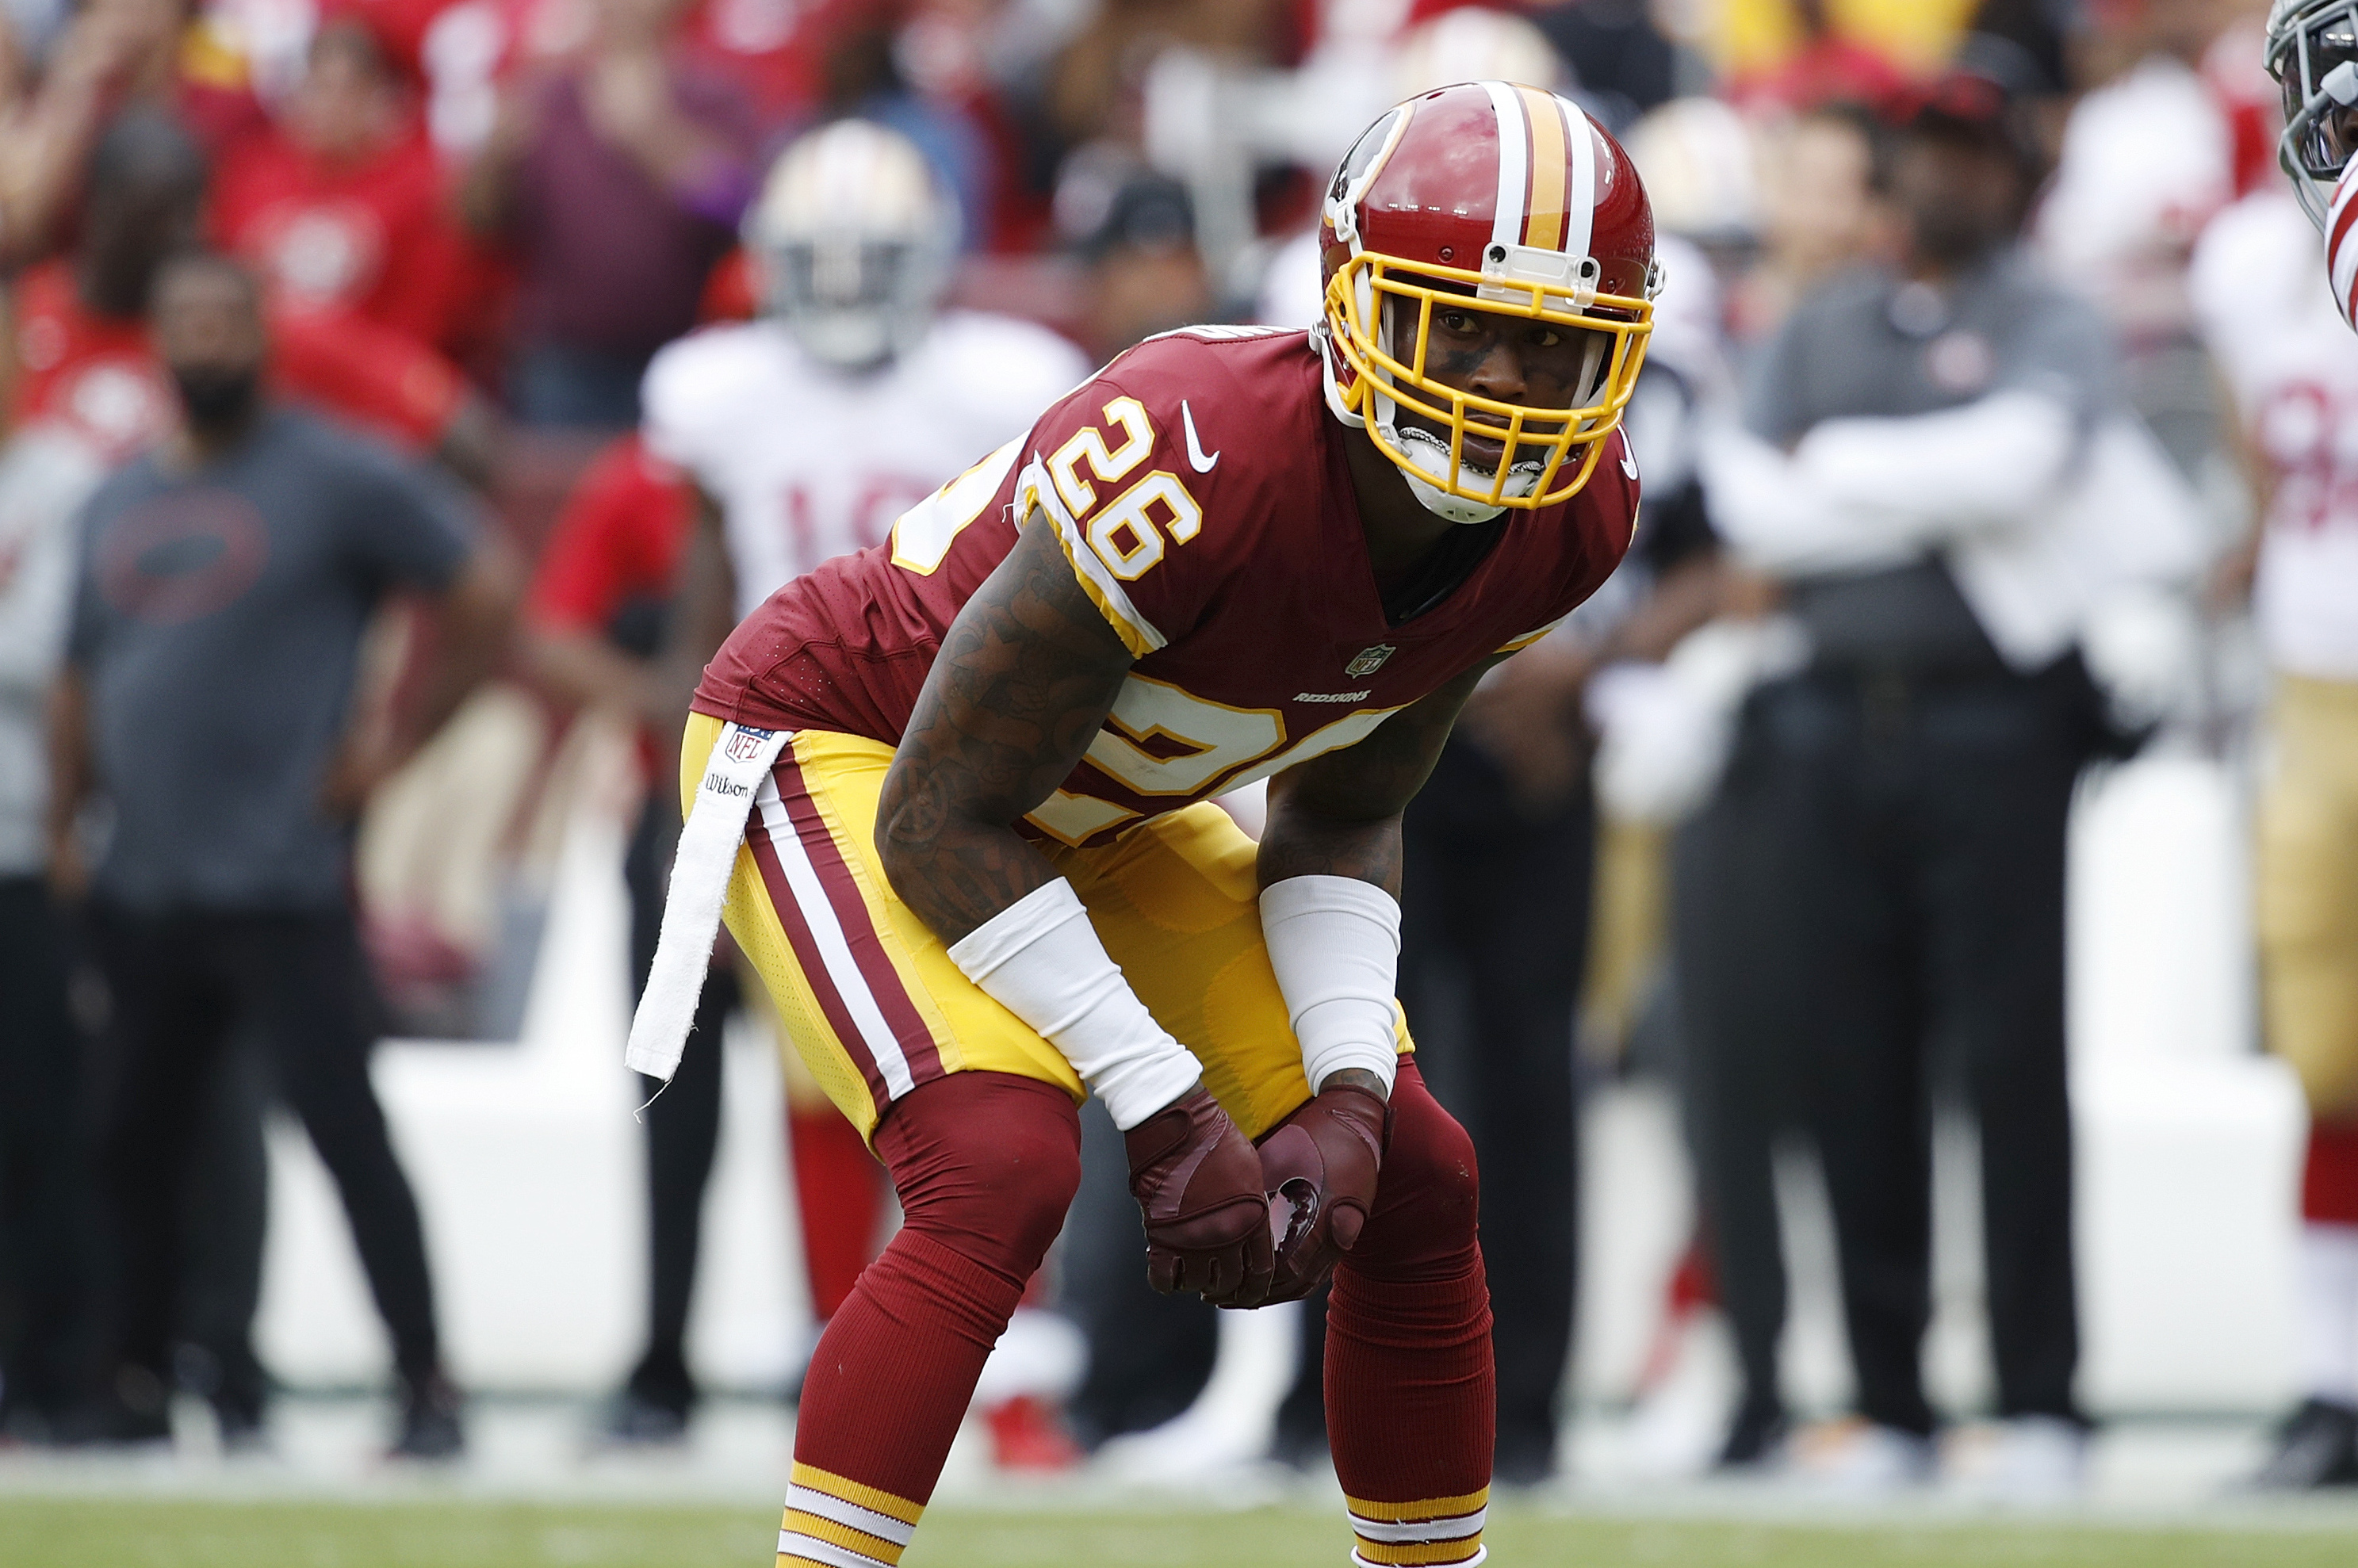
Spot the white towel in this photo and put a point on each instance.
(733, 775)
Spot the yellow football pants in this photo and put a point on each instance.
(869, 994)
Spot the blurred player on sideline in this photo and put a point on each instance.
(983, 757)
(803, 434)
(2255, 282)
(2269, 318)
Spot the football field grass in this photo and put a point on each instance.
(118, 1532)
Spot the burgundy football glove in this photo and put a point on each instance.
(1199, 1183)
(1320, 1168)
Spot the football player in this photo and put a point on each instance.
(983, 875)
(804, 433)
(2312, 51)
(856, 394)
(2267, 315)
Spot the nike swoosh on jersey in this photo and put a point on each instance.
(1195, 457)
(1629, 464)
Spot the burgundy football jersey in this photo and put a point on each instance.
(1200, 489)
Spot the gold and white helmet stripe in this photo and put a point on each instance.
(1552, 163)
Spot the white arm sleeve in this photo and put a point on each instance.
(1334, 944)
(1859, 494)
(1039, 958)
(1943, 475)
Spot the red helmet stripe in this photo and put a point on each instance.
(1544, 227)
(2340, 255)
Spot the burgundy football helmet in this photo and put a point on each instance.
(1506, 199)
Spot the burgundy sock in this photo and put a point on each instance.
(1412, 1412)
(2329, 1180)
(986, 1165)
(888, 1386)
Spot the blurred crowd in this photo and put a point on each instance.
(512, 349)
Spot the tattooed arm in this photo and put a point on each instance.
(1339, 815)
(1025, 677)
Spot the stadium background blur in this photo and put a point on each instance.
(455, 276)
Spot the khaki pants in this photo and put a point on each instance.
(2308, 890)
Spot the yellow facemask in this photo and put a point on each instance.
(1389, 379)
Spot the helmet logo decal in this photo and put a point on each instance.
(1359, 167)
(1365, 152)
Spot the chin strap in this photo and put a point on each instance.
(1429, 495)
(1322, 338)
(1441, 504)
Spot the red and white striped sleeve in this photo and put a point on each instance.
(2341, 247)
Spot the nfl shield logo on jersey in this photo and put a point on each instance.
(1368, 661)
(746, 744)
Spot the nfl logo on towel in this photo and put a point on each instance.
(746, 744)
(1368, 661)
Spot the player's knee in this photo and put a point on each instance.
(1028, 1183)
(1429, 1198)
(992, 1178)
(1439, 1155)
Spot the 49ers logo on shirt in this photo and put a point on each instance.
(321, 253)
(2298, 428)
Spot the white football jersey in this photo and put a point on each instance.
(807, 462)
(2147, 160)
(2269, 318)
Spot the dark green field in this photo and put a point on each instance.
(153, 1534)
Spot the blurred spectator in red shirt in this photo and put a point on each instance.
(771, 51)
(157, 52)
(341, 201)
(83, 356)
(619, 176)
(596, 607)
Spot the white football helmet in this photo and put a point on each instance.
(2312, 51)
(851, 239)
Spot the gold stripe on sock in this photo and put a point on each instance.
(1422, 1507)
(1419, 1552)
(852, 1491)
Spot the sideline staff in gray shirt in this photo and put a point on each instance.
(226, 581)
(1881, 873)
